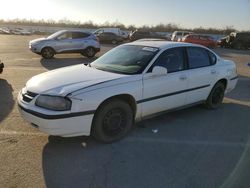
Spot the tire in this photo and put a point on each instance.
(47, 53)
(89, 52)
(112, 121)
(216, 96)
(114, 41)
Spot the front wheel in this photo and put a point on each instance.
(48, 53)
(216, 96)
(112, 121)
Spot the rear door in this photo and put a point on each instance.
(201, 74)
(79, 40)
(165, 92)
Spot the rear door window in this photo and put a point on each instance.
(197, 57)
(79, 35)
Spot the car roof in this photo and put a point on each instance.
(162, 44)
(150, 39)
(76, 31)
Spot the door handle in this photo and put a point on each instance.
(183, 77)
(213, 71)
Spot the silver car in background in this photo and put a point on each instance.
(66, 42)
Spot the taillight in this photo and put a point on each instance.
(96, 39)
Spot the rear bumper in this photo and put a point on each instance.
(97, 50)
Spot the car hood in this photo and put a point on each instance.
(38, 40)
(67, 80)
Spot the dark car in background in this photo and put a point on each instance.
(237, 40)
(108, 37)
(140, 34)
(200, 39)
(222, 42)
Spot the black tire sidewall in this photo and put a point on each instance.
(209, 103)
(85, 53)
(46, 57)
(97, 125)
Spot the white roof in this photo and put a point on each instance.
(162, 44)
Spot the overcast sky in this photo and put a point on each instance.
(186, 13)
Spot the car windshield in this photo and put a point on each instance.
(56, 34)
(127, 59)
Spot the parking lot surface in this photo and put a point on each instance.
(190, 148)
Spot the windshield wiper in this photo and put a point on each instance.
(87, 64)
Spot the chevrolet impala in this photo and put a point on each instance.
(129, 83)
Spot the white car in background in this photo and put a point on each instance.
(177, 35)
(129, 83)
(20, 31)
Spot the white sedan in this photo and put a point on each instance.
(129, 83)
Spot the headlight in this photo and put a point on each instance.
(53, 102)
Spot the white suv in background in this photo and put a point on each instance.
(177, 35)
(66, 42)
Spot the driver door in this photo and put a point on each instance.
(164, 92)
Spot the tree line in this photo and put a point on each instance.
(170, 27)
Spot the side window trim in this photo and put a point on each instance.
(210, 59)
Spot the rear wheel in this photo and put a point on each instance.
(216, 96)
(47, 53)
(89, 52)
(112, 121)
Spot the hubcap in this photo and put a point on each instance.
(90, 52)
(47, 52)
(114, 122)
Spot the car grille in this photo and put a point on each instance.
(28, 96)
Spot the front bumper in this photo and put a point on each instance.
(56, 124)
(34, 49)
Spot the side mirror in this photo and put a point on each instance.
(159, 71)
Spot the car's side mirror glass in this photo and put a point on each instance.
(159, 70)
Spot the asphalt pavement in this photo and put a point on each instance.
(190, 148)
